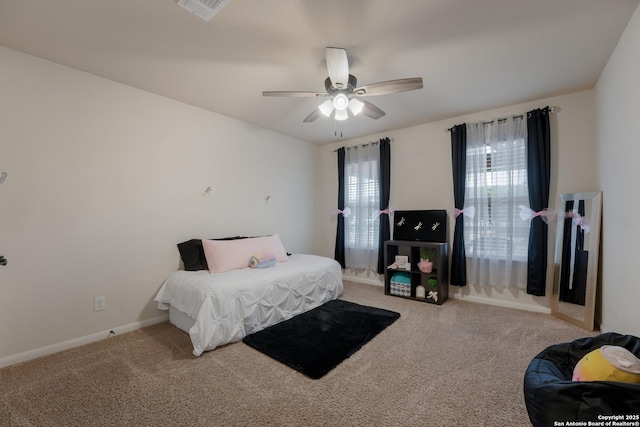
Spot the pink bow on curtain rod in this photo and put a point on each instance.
(469, 212)
(345, 212)
(528, 214)
(579, 220)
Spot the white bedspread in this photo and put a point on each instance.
(229, 306)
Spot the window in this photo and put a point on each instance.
(505, 181)
(362, 192)
(496, 239)
(362, 196)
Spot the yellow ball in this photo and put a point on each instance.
(608, 363)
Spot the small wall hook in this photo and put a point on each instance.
(3, 260)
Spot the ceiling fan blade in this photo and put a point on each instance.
(292, 93)
(390, 86)
(371, 110)
(313, 116)
(338, 67)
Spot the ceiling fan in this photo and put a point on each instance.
(345, 95)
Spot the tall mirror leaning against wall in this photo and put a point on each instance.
(576, 258)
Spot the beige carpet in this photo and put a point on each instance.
(459, 364)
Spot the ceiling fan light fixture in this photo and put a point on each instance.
(342, 89)
(341, 115)
(341, 102)
(326, 107)
(356, 106)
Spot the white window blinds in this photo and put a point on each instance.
(496, 239)
(362, 196)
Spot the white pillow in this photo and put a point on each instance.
(226, 255)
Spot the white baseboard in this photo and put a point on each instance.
(503, 303)
(481, 300)
(77, 342)
(603, 329)
(362, 280)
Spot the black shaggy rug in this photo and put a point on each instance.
(317, 341)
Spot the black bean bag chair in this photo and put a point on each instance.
(551, 395)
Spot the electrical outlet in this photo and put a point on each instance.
(99, 303)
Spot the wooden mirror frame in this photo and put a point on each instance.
(577, 314)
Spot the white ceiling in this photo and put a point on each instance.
(473, 55)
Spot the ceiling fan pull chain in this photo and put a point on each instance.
(335, 128)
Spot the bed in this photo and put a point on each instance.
(221, 308)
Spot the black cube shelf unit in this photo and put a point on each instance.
(435, 284)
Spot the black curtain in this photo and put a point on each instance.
(339, 253)
(573, 289)
(539, 176)
(581, 262)
(566, 250)
(385, 189)
(459, 163)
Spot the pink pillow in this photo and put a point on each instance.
(226, 255)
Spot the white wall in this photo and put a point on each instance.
(421, 178)
(104, 181)
(618, 107)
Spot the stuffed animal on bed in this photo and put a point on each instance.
(262, 260)
(608, 363)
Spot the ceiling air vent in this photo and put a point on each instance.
(205, 9)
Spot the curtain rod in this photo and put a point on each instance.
(501, 119)
(361, 145)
